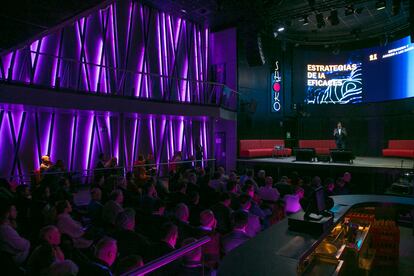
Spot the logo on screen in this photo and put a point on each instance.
(276, 81)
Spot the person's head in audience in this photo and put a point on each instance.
(231, 186)
(225, 199)
(129, 263)
(233, 176)
(192, 178)
(347, 177)
(8, 212)
(261, 174)
(96, 194)
(45, 159)
(193, 197)
(181, 187)
(329, 184)
(158, 207)
(63, 207)
(193, 256)
(106, 250)
(50, 234)
(248, 188)
(240, 220)
(169, 234)
(207, 219)
(245, 202)
(118, 196)
(284, 179)
(250, 173)
(126, 219)
(221, 170)
(269, 181)
(299, 192)
(23, 191)
(340, 183)
(182, 213)
(316, 182)
(149, 189)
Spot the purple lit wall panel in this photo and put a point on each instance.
(97, 49)
(44, 129)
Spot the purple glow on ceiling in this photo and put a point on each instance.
(87, 144)
(180, 133)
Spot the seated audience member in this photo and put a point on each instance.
(233, 176)
(169, 236)
(347, 177)
(113, 207)
(233, 189)
(249, 176)
(191, 262)
(329, 187)
(238, 236)
(211, 250)
(192, 185)
(180, 195)
(95, 206)
(216, 182)
(194, 207)
(128, 264)
(267, 192)
(253, 225)
(255, 209)
(130, 242)
(284, 187)
(261, 178)
(185, 230)
(67, 225)
(150, 224)
(278, 212)
(149, 197)
(340, 187)
(104, 256)
(48, 253)
(23, 205)
(292, 202)
(10, 241)
(222, 213)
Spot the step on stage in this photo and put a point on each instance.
(371, 174)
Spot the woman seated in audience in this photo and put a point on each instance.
(67, 225)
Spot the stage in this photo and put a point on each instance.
(370, 174)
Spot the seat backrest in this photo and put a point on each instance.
(249, 144)
(266, 144)
(401, 144)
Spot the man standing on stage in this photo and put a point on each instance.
(340, 136)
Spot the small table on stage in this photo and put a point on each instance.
(279, 151)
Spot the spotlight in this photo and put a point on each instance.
(280, 29)
(304, 20)
(333, 18)
(380, 5)
(349, 10)
(396, 6)
(320, 20)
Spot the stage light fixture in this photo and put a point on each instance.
(304, 20)
(396, 7)
(333, 18)
(349, 10)
(320, 20)
(280, 29)
(380, 5)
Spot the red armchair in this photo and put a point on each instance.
(399, 148)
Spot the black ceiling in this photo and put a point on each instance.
(22, 19)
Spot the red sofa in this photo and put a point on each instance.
(260, 148)
(321, 147)
(399, 148)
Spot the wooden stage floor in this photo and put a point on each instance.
(358, 162)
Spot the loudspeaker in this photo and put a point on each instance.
(345, 156)
(254, 50)
(305, 154)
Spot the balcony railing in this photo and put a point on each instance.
(70, 74)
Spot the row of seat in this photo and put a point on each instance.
(276, 147)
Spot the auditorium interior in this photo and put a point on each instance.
(207, 137)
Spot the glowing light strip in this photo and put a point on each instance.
(89, 142)
(159, 54)
(196, 66)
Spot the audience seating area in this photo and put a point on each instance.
(262, 148)
(322, 147)
(399, 148)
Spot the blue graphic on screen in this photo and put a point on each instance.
(334, 84)
(376, 74)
